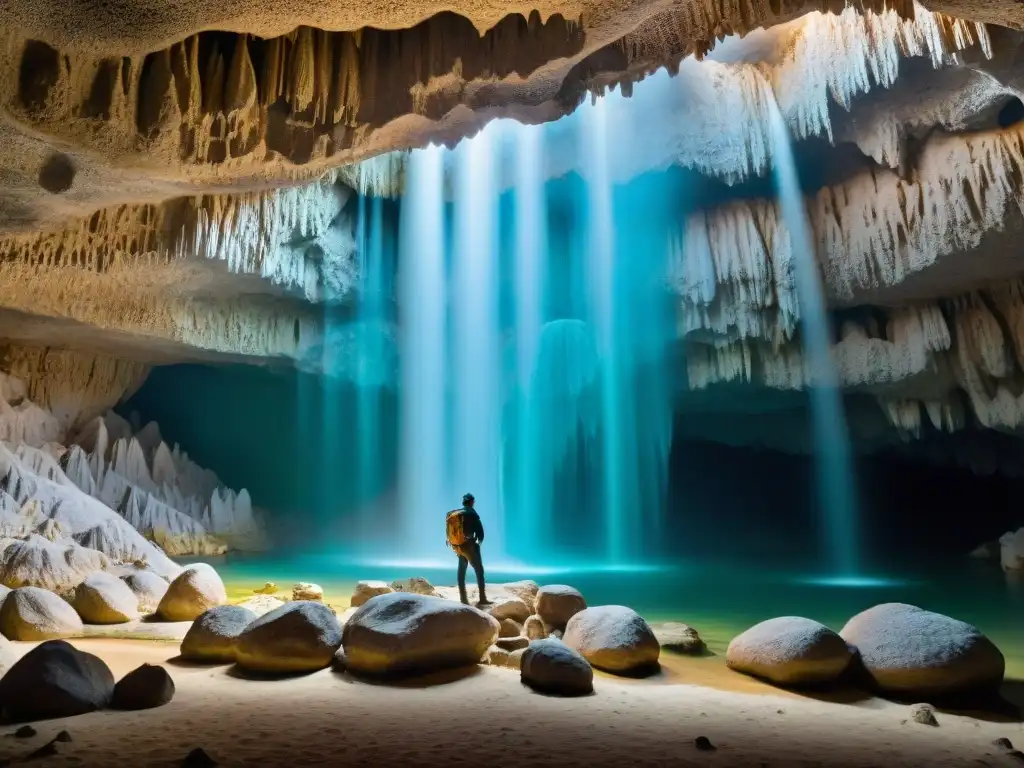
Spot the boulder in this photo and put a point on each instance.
(509, 628)
(31, 613)
(790, 650)
(406, 633)
(550, 666)
(195, 590)
(557, 603)
(679, 638)
(613, 638)
(300, 636)
(910, 651)
(511, 643)
(261, 604)
(535, 629)
(55, 679)
(306, 591)
(417, 585)
(367, 589)
(104, 599)
(145, 687)
(59, 566)
(212, 636)
(512, 608)
(148, 588)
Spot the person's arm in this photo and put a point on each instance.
(479, 527)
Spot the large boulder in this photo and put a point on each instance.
(550, 666)
(909, 651)
(148, 588)
(55, 679)
(195, 590)
(557, 603)
(300, 636)
(212, 636)
(366, 589)
(790, 650)
(104, 599)
(31, 613)
(409, 633)
(613, 638)
(145, 687)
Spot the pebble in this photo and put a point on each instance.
(923, 714)
(703, 743)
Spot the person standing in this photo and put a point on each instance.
(465, 535)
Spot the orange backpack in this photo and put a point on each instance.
(454, 528)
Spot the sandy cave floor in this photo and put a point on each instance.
(486, 716)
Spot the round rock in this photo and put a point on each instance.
(679, 638)
(509, 628)
(366, 589)
(148, 588)
(104, 599)
(406, 633)
(55, 679)
(790, 650)
(613, 638)
(31, 613)
(212, 636)
(145, 687)
(195, 590)
(557, 603)
(909, 651)
(300, 636)
(550, 666)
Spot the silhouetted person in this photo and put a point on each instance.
(465, 535)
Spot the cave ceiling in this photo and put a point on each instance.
(177, 177)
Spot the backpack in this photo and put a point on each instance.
(453, 523)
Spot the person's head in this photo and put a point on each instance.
(468, 500)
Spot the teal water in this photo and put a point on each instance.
(719, 598)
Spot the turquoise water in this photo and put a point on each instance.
(718, 598)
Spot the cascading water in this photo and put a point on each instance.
(835, 486)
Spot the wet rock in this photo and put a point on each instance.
(25, 732)
(55, 679)
(212, 636)
(306, 591)
(261, 604)
(703, 743)
(406, 633)
(31, 613)
(512, 643)
(509, 628)
(613, 638)
(195, 590)
(923, 714)
(534, 628)
(148, 588)
(557, 603)
(908, 651)
(549, 666)
(145, 687)
(198, 758)
(417, 585)
(300, 636)
(679, 638)
(366, 589)
(790, 650)
(105, 599)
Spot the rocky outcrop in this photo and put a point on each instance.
(196, 590)
(550, 666)
(212, 636)
(910, 652)
(790, 650)
(613, 638)
(30, 613)
(53, 680)
(300, 636)
(405, 633)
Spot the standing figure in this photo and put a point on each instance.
(465, 535)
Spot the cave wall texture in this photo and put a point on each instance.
(179, 185)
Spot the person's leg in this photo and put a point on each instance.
(478, 568)
(463, 562)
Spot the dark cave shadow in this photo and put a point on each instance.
(240, 673)
(552, 694)
(179, 661)
(429, 680)
(654, 672)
